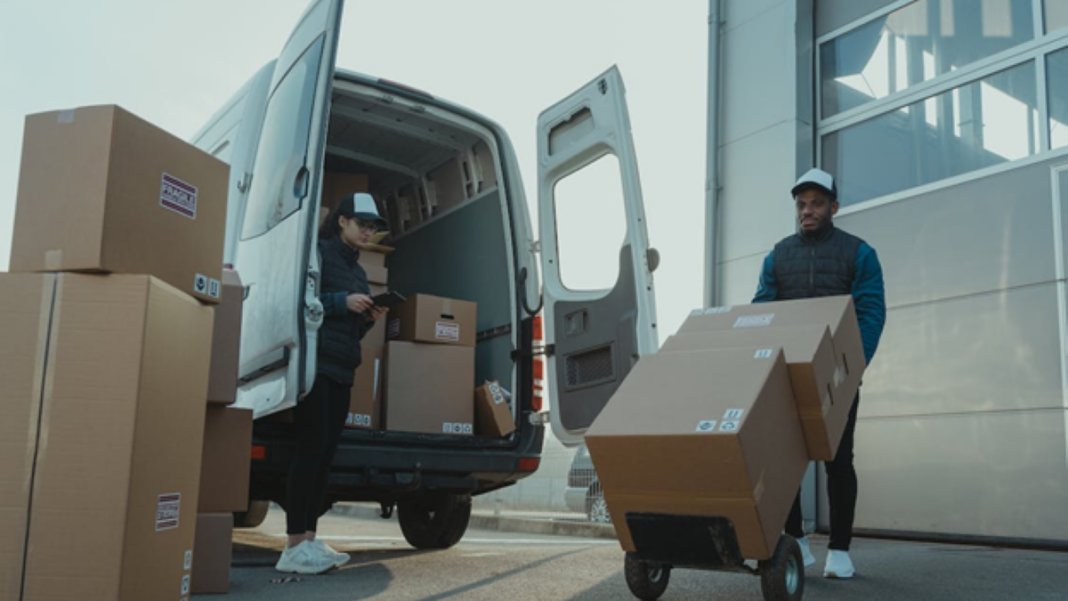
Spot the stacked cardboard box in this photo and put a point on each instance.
(492, 411)
(105, 376)
(724, 420)
(366, 400)
(430, 367)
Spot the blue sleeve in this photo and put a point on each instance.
(767, 290)
(869, 297)
(334, 303)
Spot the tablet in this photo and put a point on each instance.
(389, 299)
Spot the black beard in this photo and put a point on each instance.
(817, 233)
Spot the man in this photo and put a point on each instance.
(821, 260)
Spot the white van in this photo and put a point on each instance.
(449, 185)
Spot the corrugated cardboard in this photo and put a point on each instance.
(226, 341)
(365, 400)
(113, 507)
(224, 475)
(428, 388)
(811, 360)
(492, 411)
(100, 190)
(374, 265)
(836, 312)
(427, 318)
(213, 553)
(703, 433)
(25, 317)
(339, 184)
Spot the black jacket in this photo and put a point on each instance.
(342, 330)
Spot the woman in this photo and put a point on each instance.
(348, 313)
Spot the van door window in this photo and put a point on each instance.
(277, 190)
(591, 225)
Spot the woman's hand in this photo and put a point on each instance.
(376, 313)
(359, 303)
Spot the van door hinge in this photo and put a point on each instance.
(544, 351)
(535, 246)
(244, 183)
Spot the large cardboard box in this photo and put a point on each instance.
(811, 360)
(427, 318)
(120, 369)
(226, 341)
(836, 312)
(703, 433)
(227, 457)
(213, 553)
(339, 184)
(374, 265)
(365, 401)
(492, 411)
(100, 190)
(428, 388)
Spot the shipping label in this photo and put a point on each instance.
(178, 196)
(185, 584)
(495, 394)
(735, 414)
(444, 330)
(188, 565)
(729, 426)
(754, 321)
(393, 329)
(764, 353)
(717, 310)
(358, 419)
(168, 508)
(708, 425)
(457, 428)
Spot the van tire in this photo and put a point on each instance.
(435, 520)
(254, 516)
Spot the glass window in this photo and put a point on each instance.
(283, 147)
(590, 200)
(1057, 91)
(977, 125)
(1056, 14)
(916, 43)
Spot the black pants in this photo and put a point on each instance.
(319, 419)
(841, 490)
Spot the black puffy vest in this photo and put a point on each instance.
(824, 266)
(339, 336)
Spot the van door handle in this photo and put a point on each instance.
(300, 183)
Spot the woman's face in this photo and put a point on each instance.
(355, 232)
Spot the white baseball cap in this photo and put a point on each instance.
(815, 178)
(361, 205)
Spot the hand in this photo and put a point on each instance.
(358, 303)
(376, 313)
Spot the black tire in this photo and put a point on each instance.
(647, 582)
(782, 578)
(254, 516)
(434, 521)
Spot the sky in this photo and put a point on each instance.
(175, 63)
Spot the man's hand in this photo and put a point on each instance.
(376, 313)
(358, 303)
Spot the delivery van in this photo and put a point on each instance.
(447, 180)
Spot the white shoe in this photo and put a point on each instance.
(304, 558)
(335, 556)
(806, 551)
(838, 565)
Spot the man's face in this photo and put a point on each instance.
(815, 209)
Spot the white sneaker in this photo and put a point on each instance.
(838, 565)
(806, 551)
(304, 558)
(335, 556)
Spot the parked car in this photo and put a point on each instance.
(583, 493)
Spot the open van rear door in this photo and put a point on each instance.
(276, 258)
(593, 338)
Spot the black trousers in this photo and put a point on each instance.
(841, 490)
(319, 419)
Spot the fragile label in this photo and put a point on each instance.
(185, 584)
(729, 426)
(444, 330)
(734, 414)
(764, 353)
(200, 284)
(167, 510)
(457, 428)
(495, 394)
(358, 419)
(188, 565)
(708, 425)
(754, 321)
(178, 196)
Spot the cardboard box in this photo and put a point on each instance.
(26, 301)
(493, 414)
(426, 318)
(224, 475)
(374, 265)
(703, 433)
(339, 184)
(122, 383)
(836, 312)
(365, 401)
(100, 190)
(428, 388)
(213, 553)
(226, 341)
(811, 360)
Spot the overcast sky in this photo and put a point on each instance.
(174, 63)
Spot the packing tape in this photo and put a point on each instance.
(758, 492)
(53, 260)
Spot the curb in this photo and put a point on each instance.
(502, 523)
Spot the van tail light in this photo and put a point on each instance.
(538, 365)
(259, 452)
(529, 464)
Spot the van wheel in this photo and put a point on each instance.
(254, 516)
(646, 581)
(434, 521)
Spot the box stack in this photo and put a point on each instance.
(744, 397)
(365, 403)
(430, 367)
(108, 326)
